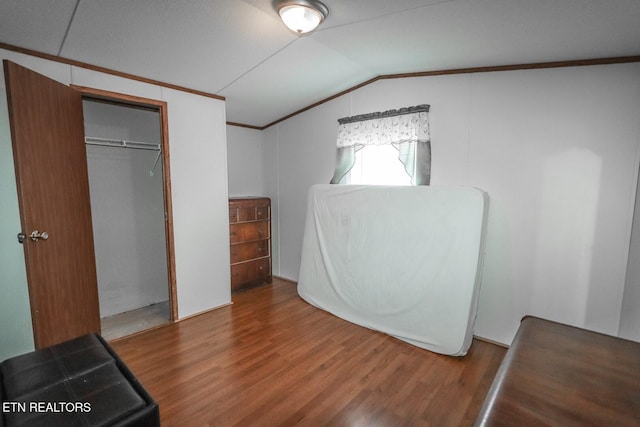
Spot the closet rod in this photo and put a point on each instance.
(106, 142)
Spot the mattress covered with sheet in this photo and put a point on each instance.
(405, 261)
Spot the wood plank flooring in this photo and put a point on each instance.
(271, 359)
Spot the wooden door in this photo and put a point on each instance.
(47, 134)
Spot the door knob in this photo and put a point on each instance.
(35, 235)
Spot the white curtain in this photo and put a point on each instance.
(407, 129)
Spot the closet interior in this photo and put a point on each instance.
(126, 182)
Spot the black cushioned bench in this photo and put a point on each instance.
(81, 382)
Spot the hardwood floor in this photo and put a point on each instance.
(271, 359)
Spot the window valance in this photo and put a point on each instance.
(390, 127)
(406, 129)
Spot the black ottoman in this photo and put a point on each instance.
(81, 382)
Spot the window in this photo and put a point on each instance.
(390, 148)
(377, 165)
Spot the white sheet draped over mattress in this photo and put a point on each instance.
(405, 261)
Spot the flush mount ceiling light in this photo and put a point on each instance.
(301, 16)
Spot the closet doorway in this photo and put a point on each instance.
(127, 159)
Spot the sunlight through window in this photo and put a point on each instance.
(378, 165)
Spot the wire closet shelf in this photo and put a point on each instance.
(107, 142)
(121, 143)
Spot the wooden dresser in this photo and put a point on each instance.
(250, 241)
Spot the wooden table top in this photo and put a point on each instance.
(559, 375)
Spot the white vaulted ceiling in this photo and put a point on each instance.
(239, 49)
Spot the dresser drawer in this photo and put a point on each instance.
(250, 231)
(245, 211)
(250, 273)
(247, 251)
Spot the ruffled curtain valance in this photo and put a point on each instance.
(390, 127)
(407, 129)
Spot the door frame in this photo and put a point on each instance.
(161, 106)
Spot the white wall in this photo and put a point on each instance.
(244, 152)
(557, 151)
(198, 142)
(271, 189)
(127, 206)
(198, 162)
